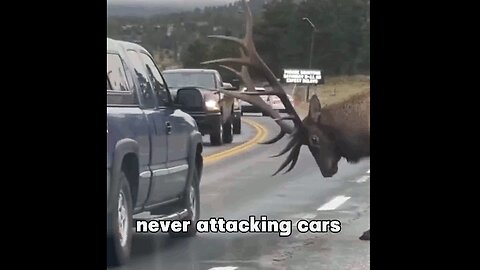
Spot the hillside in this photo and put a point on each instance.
(342, 42)
(147, 9)
(141, 10)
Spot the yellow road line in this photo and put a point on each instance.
(260, 136)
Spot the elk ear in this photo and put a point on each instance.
(314, 111)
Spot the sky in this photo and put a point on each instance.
(206, 2)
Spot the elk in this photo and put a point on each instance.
(330, 132)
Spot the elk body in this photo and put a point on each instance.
(332, 132)
(339, 130)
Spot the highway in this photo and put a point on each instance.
(237, 183)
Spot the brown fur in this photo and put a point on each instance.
(344, 129)
(349, 122)
(355, 111)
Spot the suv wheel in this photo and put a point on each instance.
(216, 136)
(228, 132)
(237, 126)
(120, 242)
(192, 204)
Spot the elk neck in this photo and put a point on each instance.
(349, 124)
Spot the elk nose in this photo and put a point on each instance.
(329, 173)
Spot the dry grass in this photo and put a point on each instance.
(164, 59)
(335, 90)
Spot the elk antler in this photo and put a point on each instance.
(250, 58)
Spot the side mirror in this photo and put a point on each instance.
(236, 84)
(229, 87)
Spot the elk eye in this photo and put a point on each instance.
(315, 139)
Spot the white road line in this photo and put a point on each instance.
(303, 216)
(368, 171)
(333, 203)
(363, 179)
(308, 216)
(224, 268)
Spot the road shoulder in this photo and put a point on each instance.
(329, 251)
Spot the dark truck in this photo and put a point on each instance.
(154, 150)
(197, 91)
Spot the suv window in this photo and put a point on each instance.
(163, 97)
(118, 91)
(185, 79)
(116, 73)
(146, 92)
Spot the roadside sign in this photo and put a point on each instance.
(303, 76)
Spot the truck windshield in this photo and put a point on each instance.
(184, 79)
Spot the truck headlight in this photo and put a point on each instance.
(212, 105)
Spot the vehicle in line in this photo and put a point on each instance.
(273, 101)
(154, 150)
(197, 91)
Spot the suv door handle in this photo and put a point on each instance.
(169, 128)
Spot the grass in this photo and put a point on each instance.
(335, 90)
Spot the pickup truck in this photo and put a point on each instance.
(197, 90)
(154, 150)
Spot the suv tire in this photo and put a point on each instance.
(119, 244)
(192, 204)
(237, 126)
(228, 132)
(216, 136)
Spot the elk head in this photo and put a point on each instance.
(308, 132)
(321, 140)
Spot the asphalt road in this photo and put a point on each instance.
(237, 186)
